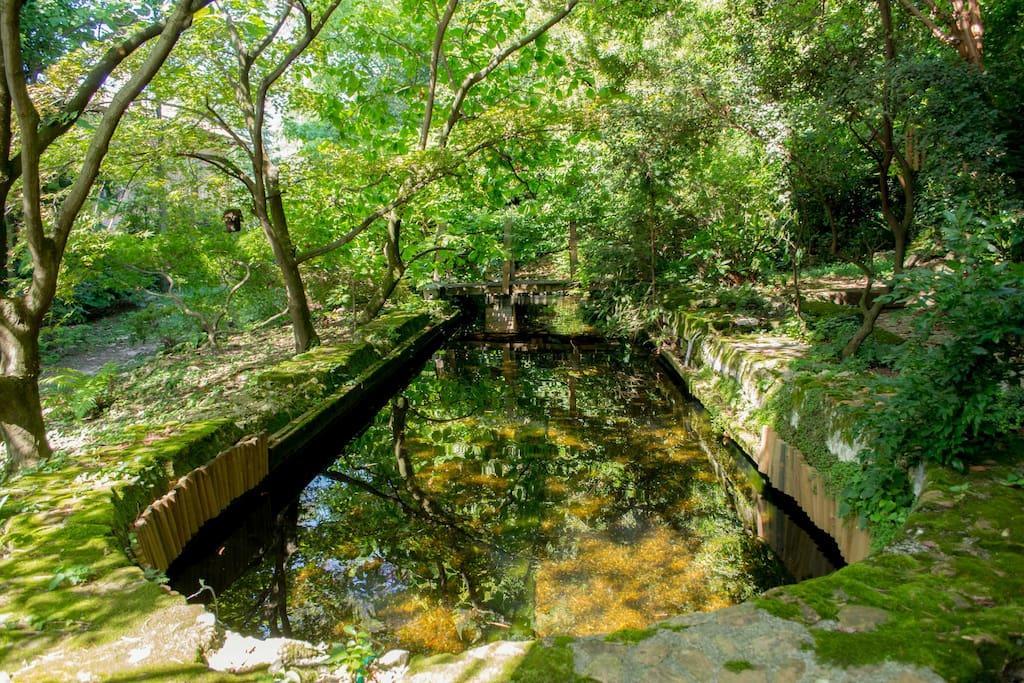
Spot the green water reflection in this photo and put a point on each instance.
(509, 494)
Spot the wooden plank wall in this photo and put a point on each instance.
(163, 529)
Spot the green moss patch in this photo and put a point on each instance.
(68, 584)
(327, 366)
(66, 577)
(951, 589)
(548, 661)
(388, 331)
(630, 635)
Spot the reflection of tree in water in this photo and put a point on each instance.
(493, 471)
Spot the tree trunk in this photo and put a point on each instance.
(395, 271)
(21, 413)
(5, 242)
(399, 410)
(509, 267)
(834, 246)
(275, 226)
(970, 30)
(866, 328)
(906, 175)
(797, 299)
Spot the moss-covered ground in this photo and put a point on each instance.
(950, 591)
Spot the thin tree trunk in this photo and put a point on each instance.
(275, 226)
(797, 301)
(5, 242)
(866, 328)
(574, 257)
(399, 414)
(899, 225)
(834, 246)
(508, 269)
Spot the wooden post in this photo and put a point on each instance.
(169, 523)
(508, 273)
(205, 508)
(166, 535)
(574, 256)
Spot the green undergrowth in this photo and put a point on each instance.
(815, 406)
(738, 665)
(813, 398)
(630, 635)
(64, 527)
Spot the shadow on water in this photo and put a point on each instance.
(535, 486)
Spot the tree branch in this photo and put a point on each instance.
(472, 79)
(225, 166)
(219, 121)
(100, 142)
(269, 38)
(936, 30)
(435, 56)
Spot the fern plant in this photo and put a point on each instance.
(80, 395)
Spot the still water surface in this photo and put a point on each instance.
(510, 492)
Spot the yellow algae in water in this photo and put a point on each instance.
(567, 439)
(610, 585)
(489, 481)
(422, 625)
(438, 476)
(589, 507)
(555, 486)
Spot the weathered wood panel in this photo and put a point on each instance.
(166, 526)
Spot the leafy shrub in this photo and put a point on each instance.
(959, 385)
(742, 299)
(830, 333)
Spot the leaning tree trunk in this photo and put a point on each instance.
(21, 413)
(395, 271)
(276, 228)
(870, 317)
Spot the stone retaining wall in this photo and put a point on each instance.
(756, 366)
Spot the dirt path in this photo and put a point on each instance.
(104, 341)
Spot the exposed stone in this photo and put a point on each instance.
(694, 662)
(790, 671)
(240, 654)
(393, 659)
(486, 663)
(855, 618)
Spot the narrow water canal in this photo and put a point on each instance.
(508, 491)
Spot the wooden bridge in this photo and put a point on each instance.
(497, 288)
(509, 285)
